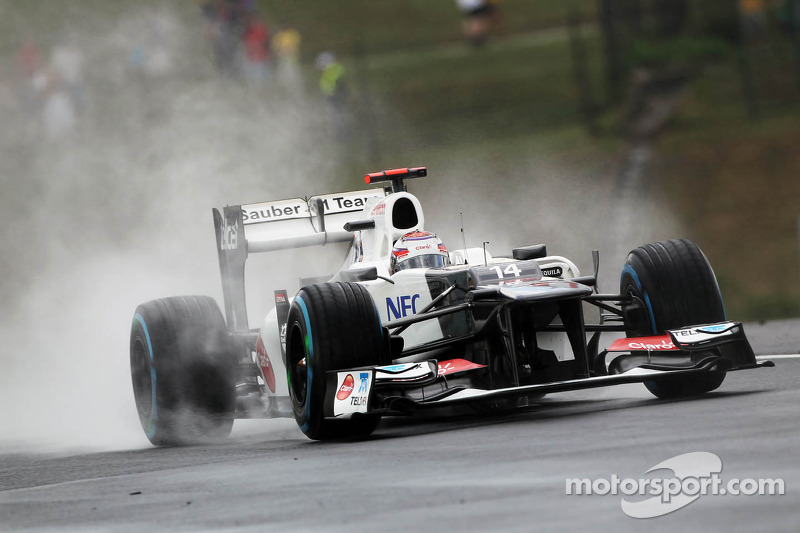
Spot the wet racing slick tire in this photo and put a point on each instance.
(183, 370)
(674, 286)
(331, 326)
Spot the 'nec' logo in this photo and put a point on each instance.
(399, 307)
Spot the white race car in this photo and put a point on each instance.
(405, 326)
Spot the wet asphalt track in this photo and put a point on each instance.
(471, 473)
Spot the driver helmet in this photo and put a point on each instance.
(418, 249)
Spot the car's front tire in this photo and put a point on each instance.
(673, 286)
(331, 326)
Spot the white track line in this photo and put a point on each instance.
(783, 356)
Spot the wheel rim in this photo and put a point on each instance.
(142, 380)
(298, 371)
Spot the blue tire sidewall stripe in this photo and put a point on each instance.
(309, 356)
(378, 314)
(628, 269)
(152, 420)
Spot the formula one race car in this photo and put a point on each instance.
(407, 327)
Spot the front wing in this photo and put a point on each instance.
(410, 387)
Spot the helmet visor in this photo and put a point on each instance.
(422, 261)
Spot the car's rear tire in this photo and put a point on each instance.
(183, 370)
(331, 326)
(674, 286)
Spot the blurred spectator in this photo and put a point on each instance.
(137, 58)
(29, 65)
(331, 81)
(161, 35)
(256, 40)
(153, 40)
(66, 61)
(207, 9)
(240, 38)
(286, 45)
(58, 113)
(753, 18)
(29, 58)
(248, 6)
(333, 87)
(789, 15)
(478, 14)
(227, 28)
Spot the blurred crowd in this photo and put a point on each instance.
(45, 82)
(46, 86)
(246, 46)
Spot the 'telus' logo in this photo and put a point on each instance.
(347, 388)
(364, 387)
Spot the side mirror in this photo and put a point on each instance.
(359, 225)
(360, 274)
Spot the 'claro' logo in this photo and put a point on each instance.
(347, 388)
(664, 345)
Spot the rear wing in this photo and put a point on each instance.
(279, 225)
